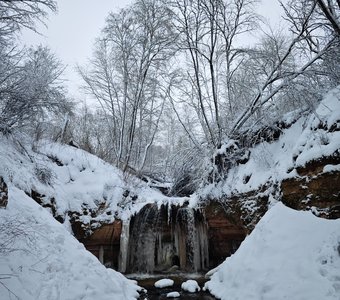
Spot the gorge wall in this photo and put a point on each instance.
(316, 188)
(170, 238)
(165, 239)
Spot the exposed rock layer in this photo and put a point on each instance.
(314, 189)
(196, 240)
(163, 239)
(3, 193)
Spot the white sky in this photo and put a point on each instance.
(72, 32)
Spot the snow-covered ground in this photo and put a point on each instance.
(289, 255)
(40, 259)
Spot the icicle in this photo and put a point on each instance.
(156, 244)
(124, 246)
(143, 240)
(101, 254)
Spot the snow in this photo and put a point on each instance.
(47, 262)
(77, 180)
(331, 168)
(286, 247)
(165, 282)
(289, 255)
(190, 286)
(89, 179)
(308, 138)
(57, 266)
(173, 295)
(328, 110)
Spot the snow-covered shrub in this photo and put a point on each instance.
(44, 174)
(15, 232)
(226, 157)
(190, 170)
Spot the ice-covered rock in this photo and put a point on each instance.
(190, 286)
(173, 295)
(162, 283)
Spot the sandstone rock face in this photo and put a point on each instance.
(160, 238)
(317, 188)
(225, 234)
(3, 193)
(105, 243)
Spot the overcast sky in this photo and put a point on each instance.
(72, 32)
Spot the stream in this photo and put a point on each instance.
(147, 281)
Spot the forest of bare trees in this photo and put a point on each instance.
(172, 80)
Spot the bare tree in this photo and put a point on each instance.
(311, 39)
(30, 85)
(330, 10)
(16, 235)
(209, 30)
(32, 90)
(17, 14)
(125, 77)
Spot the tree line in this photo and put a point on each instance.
(173, 79)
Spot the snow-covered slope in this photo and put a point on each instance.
(39, 257)
(72, 180)
(307, 138)
(41, 260)
(289, 255)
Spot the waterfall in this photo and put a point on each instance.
(191, 240)
(156, 239)
(143, 233)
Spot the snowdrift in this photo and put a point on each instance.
(289, 255)
(40, 259)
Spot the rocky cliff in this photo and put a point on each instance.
(297, 161)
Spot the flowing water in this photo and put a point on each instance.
(148, 281)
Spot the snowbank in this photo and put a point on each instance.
(289, 255)
(40, 259)
(48, 262)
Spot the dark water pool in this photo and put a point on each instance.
(156, 294)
